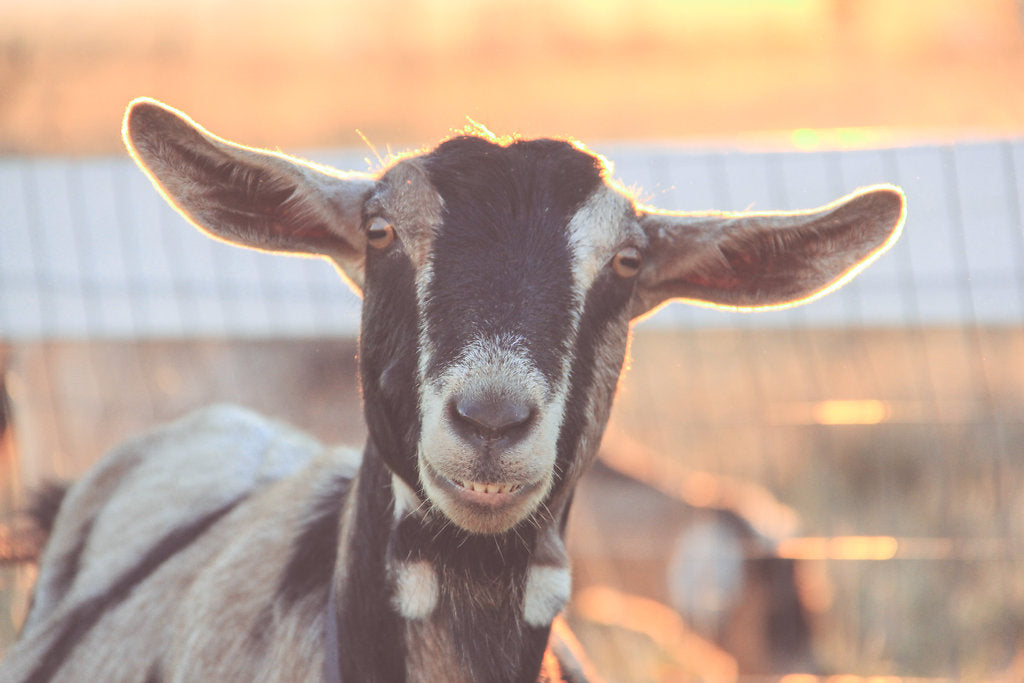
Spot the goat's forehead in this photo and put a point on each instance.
(407, 197)
(530, 195)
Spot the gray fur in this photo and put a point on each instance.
(166, 559)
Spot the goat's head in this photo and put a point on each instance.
(499, 282)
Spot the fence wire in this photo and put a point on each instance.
(89, 250)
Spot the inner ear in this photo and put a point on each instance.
(753, 261)
(266, 208)
(253, 198)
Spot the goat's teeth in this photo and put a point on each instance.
(481, 487)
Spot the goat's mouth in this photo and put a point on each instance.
(487, 493)
(481, 507)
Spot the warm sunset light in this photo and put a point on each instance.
(889, 548)
(840, 548)
(833, 412)
(807, 678)
(808, 139)
(866, 412)
(808, 73)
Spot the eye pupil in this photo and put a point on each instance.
(380, 233)
(627, 263)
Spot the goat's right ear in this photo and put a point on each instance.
(254, 198)
(751, 261)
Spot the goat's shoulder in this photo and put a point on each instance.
(159, 481)
(205, 509)
(278, 551)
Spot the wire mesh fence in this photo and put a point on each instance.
(89, 250)
(874, 439)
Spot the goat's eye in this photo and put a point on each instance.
(380, 233)
(627, 262)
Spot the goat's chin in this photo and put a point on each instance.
(483, 507)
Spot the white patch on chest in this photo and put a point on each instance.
(416, 590)
(547, 591)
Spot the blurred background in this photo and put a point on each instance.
(404, 72)
(832, 490)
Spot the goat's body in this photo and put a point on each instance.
(229, 568)
(167, 562)
(499, 282)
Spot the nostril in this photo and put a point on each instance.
(493, 417)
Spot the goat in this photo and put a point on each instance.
(708, 562)
(499, 279)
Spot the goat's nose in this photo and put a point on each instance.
(492, 417)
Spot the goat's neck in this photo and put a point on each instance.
(418, 599)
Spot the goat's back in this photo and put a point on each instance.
(177, 542)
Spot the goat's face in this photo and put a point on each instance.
(499, 282)
(509, 253)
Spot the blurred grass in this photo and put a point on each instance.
(943, 474)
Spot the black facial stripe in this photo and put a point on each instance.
(502, 262)
(605, 305)
(389, 352)
(77, 624)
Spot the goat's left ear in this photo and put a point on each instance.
(751, 261)
(253, 198)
